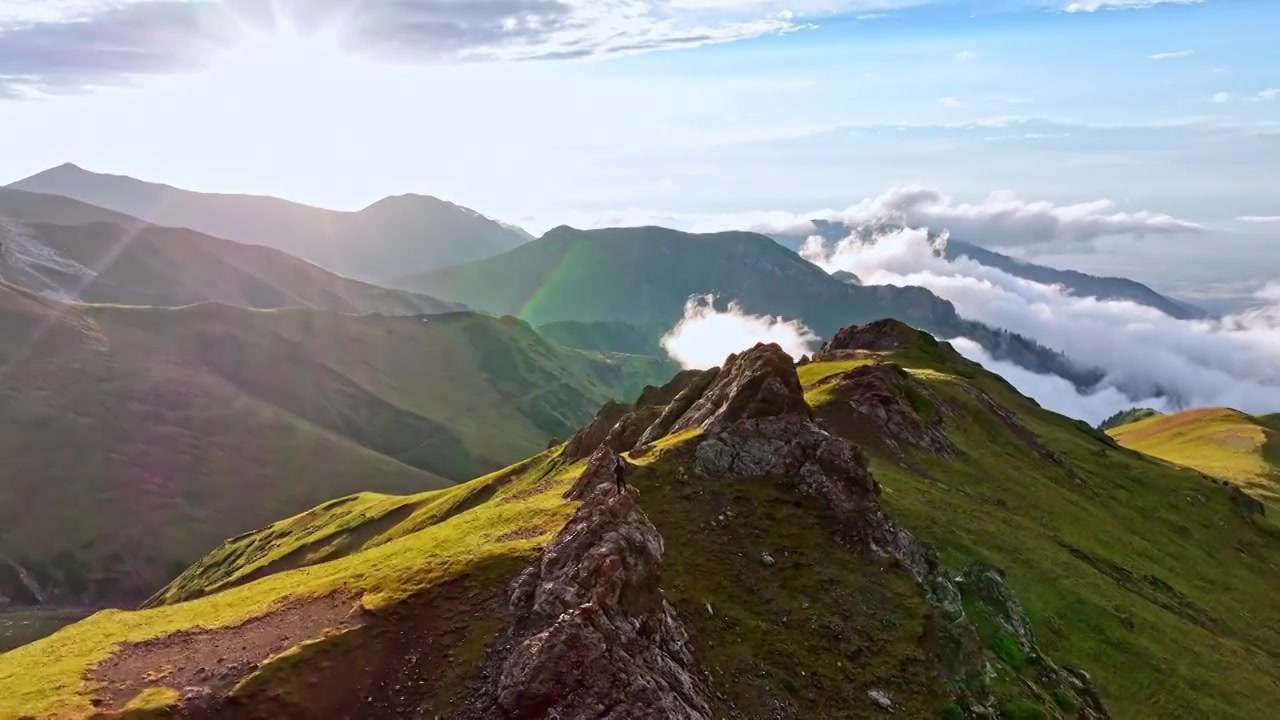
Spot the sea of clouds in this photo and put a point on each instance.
(1150, 359)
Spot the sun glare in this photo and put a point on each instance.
(287, 63)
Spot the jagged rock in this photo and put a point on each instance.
(554, 441)
(624, 428)
(1244, 502)
(884, 404)
(767, 560)
(593, 434)
(878, 336)
(758, 383)
(790, 448)
(593, 636)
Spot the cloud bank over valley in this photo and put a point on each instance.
(1149, 358)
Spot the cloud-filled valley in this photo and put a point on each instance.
(1148, 357)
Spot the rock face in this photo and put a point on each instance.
(888, 407)
(593, 636)
(878, 336)
(1245, 503)
(758, 383)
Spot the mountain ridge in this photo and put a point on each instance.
(209, 420)
(1073, 281)
(1049, 573)
(647, 275)
(74, 250)
(379, 241)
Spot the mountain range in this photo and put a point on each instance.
(1074, 282)
(237, 482)
(388, 238)
(68, 249)
(646, 276)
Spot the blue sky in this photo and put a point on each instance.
(597, 111)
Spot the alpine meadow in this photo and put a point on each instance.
(619, 360)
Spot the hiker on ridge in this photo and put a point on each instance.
(619, 474)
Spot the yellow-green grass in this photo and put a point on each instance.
(48, 677)
(1139, 572)
(1221, 442)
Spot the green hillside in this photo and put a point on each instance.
(607, 336)
(645, 276)
(1221, 442)
(772, 576)
(134, 440)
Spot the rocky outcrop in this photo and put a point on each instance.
(593, 630)
(879, 336)
(593, 636)
(593, 434)
(623, 427)
(1245, 503)
(760, 382)
(883, 405)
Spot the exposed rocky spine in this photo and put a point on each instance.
(593, 636)
(757, 426)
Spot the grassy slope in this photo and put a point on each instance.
(1216, 441)
(202, 422)
(545, 281)
(1164, 532)
(1134, 570)
(120, 463)
(433, 545)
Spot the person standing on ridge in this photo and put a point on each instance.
(619, 474)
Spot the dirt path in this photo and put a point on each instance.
(209, 662)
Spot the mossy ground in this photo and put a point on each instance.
(813, 632)
(1139, 572)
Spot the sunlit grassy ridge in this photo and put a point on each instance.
(1135, 570)
(1139, 572)
(1221, 442)
(429, 548)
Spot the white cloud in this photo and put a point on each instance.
(1054, 392)
(1231, 361)
(1259, 218)
(1220, 97)
(951, 101)
(1268, 94)
(705, 336)
(964, 55)
(1172, 55)
(1094, 5)
(1002, 220)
